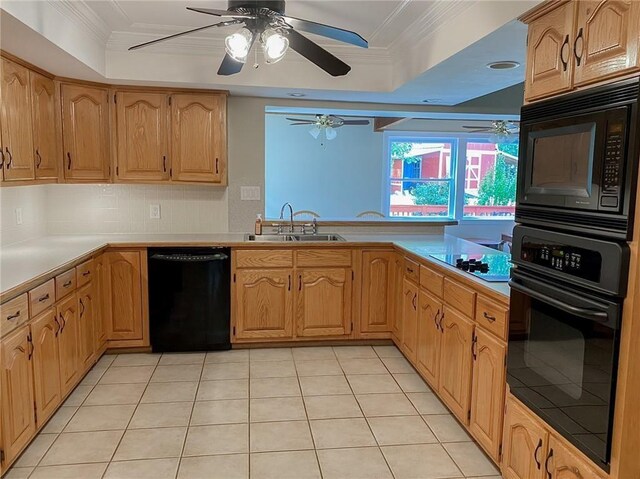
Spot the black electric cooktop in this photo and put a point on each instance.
(490, 267)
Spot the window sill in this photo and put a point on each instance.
(369, 222)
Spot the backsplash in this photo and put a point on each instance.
(32, 200)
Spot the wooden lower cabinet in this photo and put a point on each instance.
(377, 287)
(430, 310)
(524, 444)
(456, 363)
(409, 319)
(68, 343)
(18, 415)
(487, 392)
(46, 364)
(396, 320)
(562, 463)
(86, 327)
(323, 302)
(99, 281)
(263, 306)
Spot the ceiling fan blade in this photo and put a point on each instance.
(355, 122)
(230, 66)
(301, 120)
(175, 35)
(478, 127)
(305, 123)
(220, 13)
(345, 36)
(316, 54)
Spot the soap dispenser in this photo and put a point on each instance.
(258, 224)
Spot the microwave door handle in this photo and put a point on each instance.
(594, 315)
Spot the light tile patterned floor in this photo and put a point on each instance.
(350, 412)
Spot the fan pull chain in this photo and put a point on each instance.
(255, 56)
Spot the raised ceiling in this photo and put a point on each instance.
(418, 49)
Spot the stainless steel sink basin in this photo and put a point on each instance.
(292, 237)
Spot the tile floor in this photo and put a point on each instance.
(350, 412)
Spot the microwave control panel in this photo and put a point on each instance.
(613, 168)
(570, 260)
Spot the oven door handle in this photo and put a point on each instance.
(592, 314)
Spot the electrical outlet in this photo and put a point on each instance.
(250, 193)
(18, 216)
(154, 212)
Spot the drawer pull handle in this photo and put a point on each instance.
(31, 348)
(16, 315)
(474, 347)
(535, 454)
(435, 319)
(565, 63)
(86, 273)
(67, 284)
(39, 162)
(42, 298)
(488, 317)
(55, 318)
(63, 322)
(10, 157)
(575, 47)
(413, 302)
(81, 308)
(546, 464)
(440, 322)
(68, 160)
(410, 270)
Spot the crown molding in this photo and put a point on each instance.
(79, 13)
(390, 18)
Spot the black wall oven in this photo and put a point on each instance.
(579, 157)
(564, 331)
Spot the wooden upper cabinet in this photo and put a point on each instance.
(18, 418)
(607, 36)
(549, 53)
(142, 125)
(17, 138)
(263, 303)
(323, 302)
(199, 137)
(430, 312)
(85, 132)
(524, 444)
(377, 288)
(43, 112)
(123, 294)
(565, 464)
(487, 392)
(456, 363)
(409, 319)
(46, 364)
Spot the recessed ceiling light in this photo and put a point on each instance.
(296, 95)
(504, 65)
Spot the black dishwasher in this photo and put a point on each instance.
(189, 299)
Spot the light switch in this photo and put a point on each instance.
(250, 193)
(154, 212)
(18, 216)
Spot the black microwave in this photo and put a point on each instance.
(579, 161)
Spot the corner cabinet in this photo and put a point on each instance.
(85, 132)
(199, 137)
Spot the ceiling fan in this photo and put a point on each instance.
(498, 127)
(326, 124)
(265, 20)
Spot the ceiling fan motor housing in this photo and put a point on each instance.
(275, 6)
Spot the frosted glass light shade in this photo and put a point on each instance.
(238, 44)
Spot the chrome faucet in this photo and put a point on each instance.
(290, 215)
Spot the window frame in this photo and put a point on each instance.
(459, 141)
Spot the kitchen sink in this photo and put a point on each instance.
(293, 237)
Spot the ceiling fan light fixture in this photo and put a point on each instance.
(274, 45)
(315, 132)
(238, 44)
(330, 133)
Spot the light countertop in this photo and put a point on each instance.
(22, 262)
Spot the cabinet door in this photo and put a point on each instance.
(549, 53)
(455, 363)
(409, 319)
(86, 335)
(397, 280)
(199, 137)
(18, 417)
(68, 343)
(323, 302)
(142, 129)
(99, 307)
(430, 312)
(46, 364)
(562, 463)
(123, 291)
(85, 132)
(608, 39)
(45, 142)
(377, 306)
(487, 392)
(524, 444)
(17, 136)
(263, 303)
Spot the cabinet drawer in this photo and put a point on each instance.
(42, 297)
(492, 317)
(84, 273)
(461, 298)
(65, 283)
(264, 259)
(431, 281)
(324, 257)
(14, 313)
(412, 270)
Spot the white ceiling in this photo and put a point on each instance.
(419, 49)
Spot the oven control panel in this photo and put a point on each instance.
(570, 260)
(613, 165)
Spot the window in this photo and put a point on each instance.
(460, 176)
